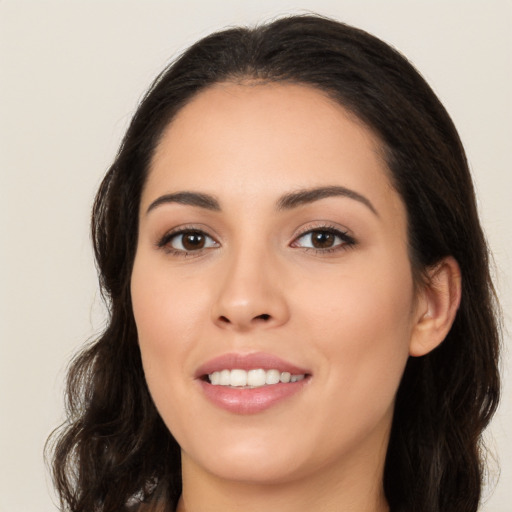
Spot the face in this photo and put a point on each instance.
(272, 288)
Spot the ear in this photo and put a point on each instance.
(437, 305)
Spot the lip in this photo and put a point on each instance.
(247, 362)
(247, 400)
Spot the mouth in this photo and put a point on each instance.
(251, 379)
(250, 383)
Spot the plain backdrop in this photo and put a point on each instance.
(71, 74)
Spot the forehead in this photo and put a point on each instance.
(259, 139)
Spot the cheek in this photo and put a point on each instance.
(165, 307)
(362, 326)
(166, 310)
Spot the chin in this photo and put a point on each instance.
(253, 459)
(265, 469)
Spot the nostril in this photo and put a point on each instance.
(264, 317)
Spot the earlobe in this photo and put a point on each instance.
(437, 306)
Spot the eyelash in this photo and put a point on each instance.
(347, 241)
(165, 241)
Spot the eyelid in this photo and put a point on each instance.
(341, 232)
(347, 240)
(321, 225)
(163, 242)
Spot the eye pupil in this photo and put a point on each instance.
(322, 239)
(193, 241)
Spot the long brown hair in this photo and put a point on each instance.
(115, 448)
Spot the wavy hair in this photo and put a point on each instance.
(114, 452)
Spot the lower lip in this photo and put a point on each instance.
(251, 401)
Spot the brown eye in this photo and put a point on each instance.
(189, 241)
(324, 240)
(192, 241)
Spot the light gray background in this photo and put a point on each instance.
(71, 74)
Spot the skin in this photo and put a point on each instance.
(351, 315)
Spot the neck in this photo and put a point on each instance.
(355, 489)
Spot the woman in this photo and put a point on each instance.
(301, 309)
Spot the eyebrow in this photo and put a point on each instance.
(285, 202)
(306, 196)
(189, 198)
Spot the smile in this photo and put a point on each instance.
(251, 383)
(255, 378)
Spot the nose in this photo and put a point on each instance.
(251, 294)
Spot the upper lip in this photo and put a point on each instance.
(251, 361)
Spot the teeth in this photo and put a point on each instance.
(256, 377)
(238, 378)
(251, 379)
(225, 377)
(272, 377)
